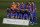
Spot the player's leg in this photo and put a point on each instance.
(32, 20)
(11, 15)
(19, 16)
(32, 17)
(36, 17)
(7, 15)
(29, 19)
(23, 17)
(16, 15)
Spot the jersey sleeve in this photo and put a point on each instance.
(35, 6)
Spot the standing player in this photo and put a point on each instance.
(19, 7)
(26, 5)
(34, 12)
(26, 10)
(23, 5)
(30, 10)
(29, 7)
(23, 8)
(31, 17)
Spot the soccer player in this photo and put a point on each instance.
(20, 16)
(34, 12)
(30, 10)
(19, 5)
(30, 7)
(14, 6)
(12, 13)
(19, 10)
(26, 5)
(26, 10)
(25, 16)
(31, 16)
(8, 12)
(23, 7)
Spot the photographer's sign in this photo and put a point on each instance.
(15, 21)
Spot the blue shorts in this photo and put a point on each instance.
(12, 14)
(35, 14)
(8, 14)
(31, 16)
(16, 14)
(25, 16)
(20, 15)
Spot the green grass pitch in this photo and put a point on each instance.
(7, 3)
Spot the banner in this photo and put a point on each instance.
(15, 21)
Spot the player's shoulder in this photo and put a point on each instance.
(20, 4)
(34, 5)
(15, 4)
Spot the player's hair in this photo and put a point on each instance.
(8, 7)
(13, 1)
(29, 1)
(26, 3)
(33, 1)
(23, 2)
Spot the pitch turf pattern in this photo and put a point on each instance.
(7, 3)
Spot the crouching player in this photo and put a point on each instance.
(16, 15)
(25, 16)
(12, 14)
(8, 12)
(20, 16)
(35, 13)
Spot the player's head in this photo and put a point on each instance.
(26, 3)
(18, 3)
(11, 7)
(8, 8)
(22, 2)
(33, 2)
(14, 2)
(29, 2)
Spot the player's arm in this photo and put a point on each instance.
(35, 9)
(24, 9)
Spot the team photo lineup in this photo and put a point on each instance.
(23, 11)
